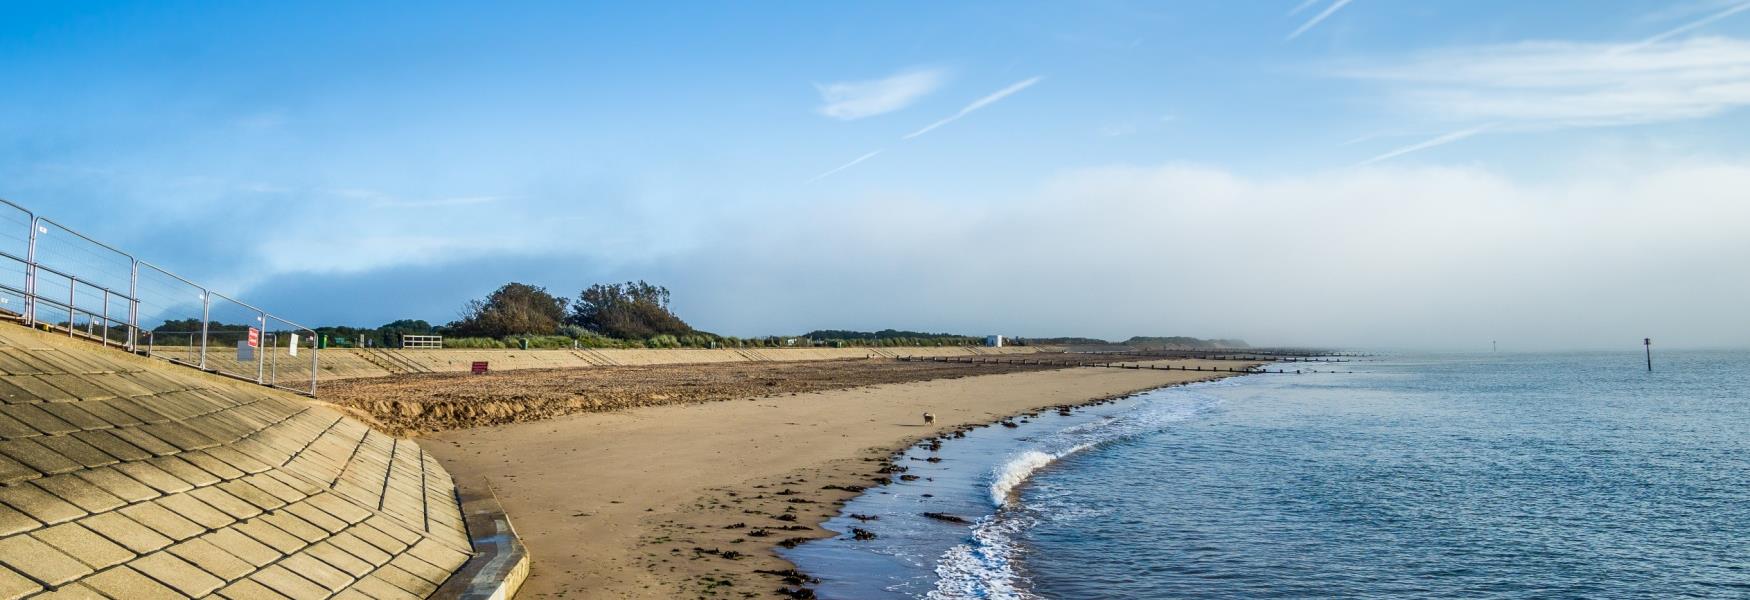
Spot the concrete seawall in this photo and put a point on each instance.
(349, 363)
(127, 477)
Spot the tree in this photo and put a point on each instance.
(389, 335)
(631, 310)
(411, 326)
(515, 309)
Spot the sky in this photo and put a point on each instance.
(1355, 173)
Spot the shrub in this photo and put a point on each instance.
(514, 309)
(591, 340)
(632, 310)
(546, 342)
(473, 342)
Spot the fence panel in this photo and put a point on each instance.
(171, 311)
(15, 226)
(290, 352)
(90, 261)
(228, 325)
(85, 285)
(12, 286)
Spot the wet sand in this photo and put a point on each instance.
(685, 501)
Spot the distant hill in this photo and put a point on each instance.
(1184, 342)
(1066, 341)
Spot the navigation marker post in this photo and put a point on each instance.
(1648, 342)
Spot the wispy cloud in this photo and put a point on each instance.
(1318, 18)
(975, 105)
(1424, 145)
(1546, 85)
(978, 104)
(1687, 27)
(1305, 4)
(842, 167)
(849, 100)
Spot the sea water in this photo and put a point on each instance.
(1461, 476)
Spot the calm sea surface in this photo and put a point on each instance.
(1465, 476)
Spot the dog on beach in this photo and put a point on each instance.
(929, 419)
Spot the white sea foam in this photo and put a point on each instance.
(1020, 468)
(985, 567)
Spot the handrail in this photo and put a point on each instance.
(65, 274)
(263, 312)
(76, 287)
(82, 236)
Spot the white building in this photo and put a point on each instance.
(994, 341)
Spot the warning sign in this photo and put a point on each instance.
(254, 337)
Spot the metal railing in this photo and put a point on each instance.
(429, 342)
(57, 278)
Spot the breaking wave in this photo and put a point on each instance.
(985, 566)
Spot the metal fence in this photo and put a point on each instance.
(429, 342)
(54, 277)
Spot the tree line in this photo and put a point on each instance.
(633, 314)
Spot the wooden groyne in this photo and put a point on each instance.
(1091, 361)
(1245, 356)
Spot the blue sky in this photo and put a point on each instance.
(1395, 173)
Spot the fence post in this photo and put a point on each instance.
(273, 374)
(72, 289)
(134, 305)
(260, 345)
(313, 365)
(30, 276)
(106, 317)
(206, 308)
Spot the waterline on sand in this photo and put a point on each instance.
(979, 479)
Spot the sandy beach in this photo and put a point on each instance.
(690, 500)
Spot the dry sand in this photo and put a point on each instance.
(684, 501)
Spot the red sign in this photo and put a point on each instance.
(254, 337)
(480, 367)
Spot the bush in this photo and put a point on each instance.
(591, 340)
(543, 342)
(473, 342)
(632, 310)
(514, 309)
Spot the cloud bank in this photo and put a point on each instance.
(1403, 257)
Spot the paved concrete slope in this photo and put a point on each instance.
(131, 478)
(348, 363)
